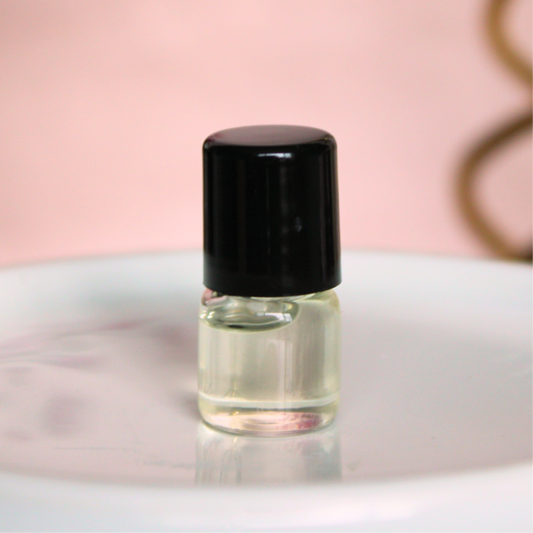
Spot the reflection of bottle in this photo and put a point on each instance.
(270, 322)
(223, 459)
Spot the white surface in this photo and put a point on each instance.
(99, 429)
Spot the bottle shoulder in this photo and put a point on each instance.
(260, 314)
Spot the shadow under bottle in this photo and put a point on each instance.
(223, 459)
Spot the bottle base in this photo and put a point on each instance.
(267, 422)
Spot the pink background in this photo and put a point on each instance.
(104, 106)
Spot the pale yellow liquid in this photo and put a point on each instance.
(269, 366)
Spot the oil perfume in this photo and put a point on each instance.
(269, 328)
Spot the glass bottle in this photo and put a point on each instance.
(269, 334)
(269, 365)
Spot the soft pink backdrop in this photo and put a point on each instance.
(104, 106)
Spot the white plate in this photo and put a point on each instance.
(99, 428)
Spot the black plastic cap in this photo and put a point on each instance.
(271, 223)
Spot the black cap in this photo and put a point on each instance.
(271, 223)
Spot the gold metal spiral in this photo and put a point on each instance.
(468, 174)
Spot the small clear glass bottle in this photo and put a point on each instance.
(269, 333)
(269, 365)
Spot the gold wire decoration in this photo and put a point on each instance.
(468, 174)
